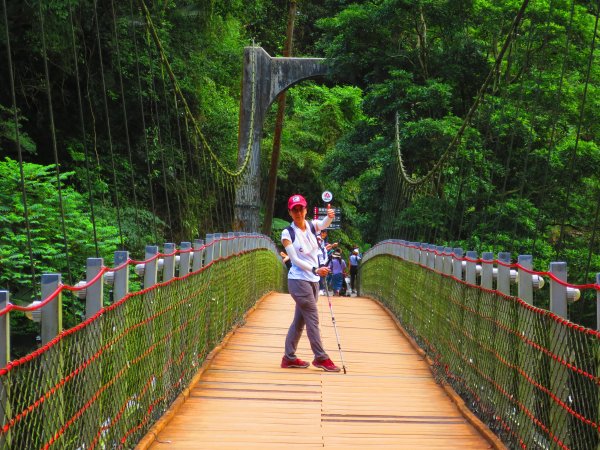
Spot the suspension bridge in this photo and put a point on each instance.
(446, 347)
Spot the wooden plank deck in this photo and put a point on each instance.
(387, 400)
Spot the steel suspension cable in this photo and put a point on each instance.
(143, 117)
(125, 118)
(456, 139)
(83, 132)
(593, 237)
(559, 244)
(218, 190)
(108, 129)
(552, 140)
(19, 149)
(54, 145)
(486, 175)
(212, 180)
(390, 206)
(194, 166)
(183, 171)
(511, 149)
(158, 141)
(532, 122)
(242, 167)
(171, 143)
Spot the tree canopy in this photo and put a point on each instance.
(92, 93)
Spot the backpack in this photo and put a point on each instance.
(293, 232)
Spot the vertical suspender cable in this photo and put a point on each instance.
(552, 140)
(194, 165)
(593, 238)
(125, 118)
(219, 205)
(172, 144)
(83, 132)
(206, 167)
(19, 149)
(559, 244)
(54, 145)
(532, 121)
(182, 161)
(107, 116)
(156, 119)
(464, 172)
(143, 116)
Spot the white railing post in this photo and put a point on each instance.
(439, 259)
(525, 285)
(52, 312)
(558, 372)
(198, 254)
(230, 243)
(184, 258)
(526, 359)
(430, 249)
(471, 270)
(423, 253)
(121, 277)
(598, 303)
(487, 269)
(95, 292)
(4, 359)
(4, 332)
(457, 263)
(169, 262)
(210, 249)
(237, 248)
(151, 268)
(447, 261)
(558, 292)
(503, 282)
(218, 246)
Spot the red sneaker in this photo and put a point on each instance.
(293, 363)
(327, 365)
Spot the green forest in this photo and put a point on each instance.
(98, 152)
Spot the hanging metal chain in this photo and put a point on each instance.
(467, 120)
(205, 144)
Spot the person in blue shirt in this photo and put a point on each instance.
(337, 267)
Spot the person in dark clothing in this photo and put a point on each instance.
(354, 260)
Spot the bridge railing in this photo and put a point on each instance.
(529, 373)
(102, 383)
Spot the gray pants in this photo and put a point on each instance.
(305, 294)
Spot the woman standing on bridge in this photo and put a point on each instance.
(300, 243)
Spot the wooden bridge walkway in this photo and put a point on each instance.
(388, 399)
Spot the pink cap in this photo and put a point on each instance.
(295, 200)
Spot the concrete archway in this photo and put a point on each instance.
(272, 76)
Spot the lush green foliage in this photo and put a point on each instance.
(523, 178)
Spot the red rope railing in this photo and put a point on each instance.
(105, 381)
(530, 374)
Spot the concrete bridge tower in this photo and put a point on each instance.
(271, 77)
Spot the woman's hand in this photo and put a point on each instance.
(322, 271)
(330, 212)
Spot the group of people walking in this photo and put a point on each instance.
(311, 259)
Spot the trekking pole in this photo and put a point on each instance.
(337, 337)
